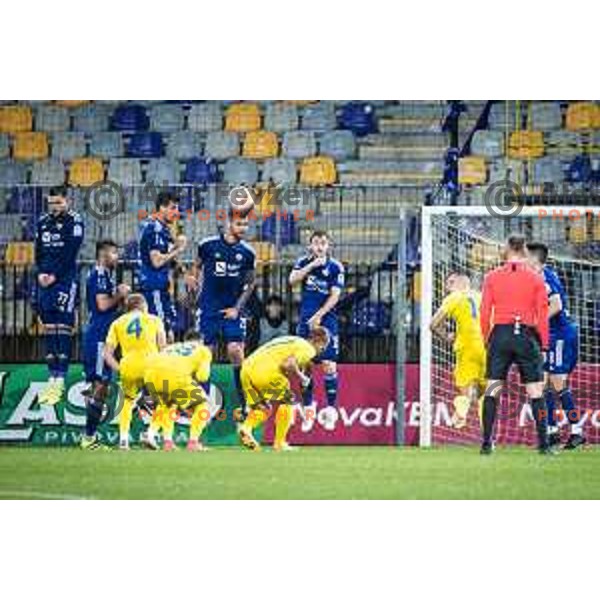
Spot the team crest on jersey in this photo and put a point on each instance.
(46, 236)
(238, 257)
(220, 268)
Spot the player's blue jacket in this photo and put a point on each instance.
(57, 243)
(154, 235)
(317, 286)
(100, 281)
(225, 269)
(554, 286)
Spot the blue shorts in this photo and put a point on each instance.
(331, 352)
(56, 304)
(563, 351)
(213, 326)
(161, 304)
(94, 367)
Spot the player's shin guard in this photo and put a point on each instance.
(489, 418)
(64, 345)
(199, 420)
(283, 422)
(125, 418)
(540, 414)
(331, 388)
(237, 379)
(551, 408)
(307, 394)
(51, 344)
(93, 415)
(568, 406)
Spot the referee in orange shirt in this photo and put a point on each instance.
(514, 323)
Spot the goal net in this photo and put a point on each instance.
(467, 239)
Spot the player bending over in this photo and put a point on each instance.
(563, 350)
(461, 305)
(173, 378)
(138, 334)
(103, 299)
(322, 279)
(266, 382)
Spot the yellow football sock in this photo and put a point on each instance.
(255, 417)
(283, 422)
(168, 422)
(461, 406)
(125, 418)
(199, 420)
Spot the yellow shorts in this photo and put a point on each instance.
(264, 386)
(181, 392)
(470, 368)
(132, 375)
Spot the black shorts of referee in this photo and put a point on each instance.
(510, 345)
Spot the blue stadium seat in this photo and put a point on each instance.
(49, 117)
(340, 145)
(49, 172)
(319, 116)
(161, 170)
(166, 117)
(299, 144)
(12, 173)
(358, 117)
(240, 170)
(184, 145)
(222, 145)
(503, 116)
(280, 170)
(369, 319)
(488, 143)
(200, 170)
(545, 116)
(4, 145)
(205, 117)
(580, 169)
(130, 117)
(145, 145)
(68, 145)
(548, 170)
(107, 144)
(92, 117)
(281, 117)
(286, 226)
(126, 171)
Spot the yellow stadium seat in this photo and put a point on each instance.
(583, 115)
(578, 232)
(71, 103)
(265, 252)
(19, 254)
(318, 170)
(14, 119)
(30, 145)
(261, 144)
(242, 117)
(526, 144)
(86, 171)
(471, 170)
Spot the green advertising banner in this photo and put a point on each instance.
(23, 420)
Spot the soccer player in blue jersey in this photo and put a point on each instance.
(322, 279)
(103, 297)
(158, 251)
(562, 355)
(225, 277)
(58, 238)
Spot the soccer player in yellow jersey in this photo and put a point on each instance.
(173, 378)
(265, 382)
(461, 305)
(138, 334)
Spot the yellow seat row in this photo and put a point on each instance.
(14, 119)
(583, 115)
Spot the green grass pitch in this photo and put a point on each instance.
(310, 473)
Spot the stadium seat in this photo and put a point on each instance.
(222, 145)
(50, 172)
(19, 254)
(205, 117)
(471, 170)
(107, 144)
(503, 168)
(548, 169)
(545, 116)
(242, 117)
(583, 115)
(299, 144)
(162, 170)
(92, 117)
(265, 253)
(130, 117)
(125, 171)
(52, 118)
(166, 118)
(280, 170)
(145, 145)
(12, 173)
(86, 171)
(281, 117)
(488, 143)
(4, 145)
(30, 145)
(503, 115)
(71, 103)
(317, 171)
(240, 170)
(184, 145)
(201, 171)
(579, 170)
(340, 145)
(526, 144)
(261, 144)
(68, 145)
(358, 117)
(15, 119)
(319, 116)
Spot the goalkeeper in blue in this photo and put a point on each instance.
(561, 358)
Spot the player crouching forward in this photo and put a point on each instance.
(173, 379)
(265, 381)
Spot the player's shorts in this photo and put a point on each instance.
(94, 367)
(181, 392)
(161, 304)
(56, 304)
(331, 352)
(264, 385)
(563, 351)
(506, 347)
(131, 374)
(213, 326)
(470, 367)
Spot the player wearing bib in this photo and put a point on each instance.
(563, 351)
(173, 377)
(322, 279)
(265, 382)
(138, 334)
(461, 306)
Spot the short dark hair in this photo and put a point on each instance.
(516, 242)
(165, 198)
(319, 233)
(58, 190)
(539, 250)
(238, 213)
(274, 298)
(105, 243)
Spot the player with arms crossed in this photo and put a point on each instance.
(561, 357)
(462, 305)
(266, 377)
(103, 299)
(138, 334)
(58, 238)
(322, 279)
(225, 277)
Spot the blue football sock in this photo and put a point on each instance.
(51, 343)
(65, 342)
(550, 407)
(237, 379)
(93, 413)
(331, 388)
(568, 405)
(307, 394)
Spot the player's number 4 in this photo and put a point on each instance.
(135, 327)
